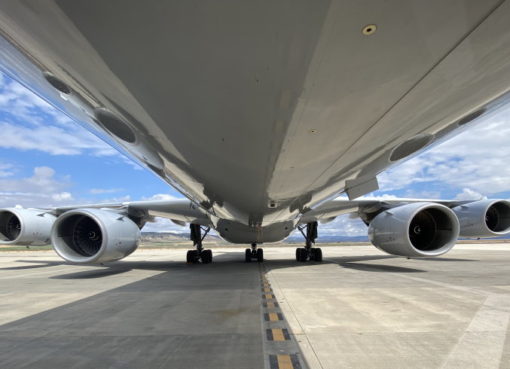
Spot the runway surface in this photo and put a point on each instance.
(359, 308)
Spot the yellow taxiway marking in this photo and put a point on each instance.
(273, 317)
(278, 335)
(284, 362)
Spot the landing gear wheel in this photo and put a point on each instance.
(309, 232)
(206, 256)
(260, 255)
(199, 254)
(247, 255)
(192, 257)
(316, 254)
(301, 254)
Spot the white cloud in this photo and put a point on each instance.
(100, 191)
(42, 189)
(164, 225)
(117, 199)
(477, 157)
(405, 174)
(6, 170)
(42, 181)
(62, 196)
(469, 194)
(52, 140)
(379, 197)
(30, 123)
(22, 103)
(161, 197)
(343, 225)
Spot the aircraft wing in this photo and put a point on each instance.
(179, 211)
(331, 209)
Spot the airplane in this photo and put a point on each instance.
(261, 114)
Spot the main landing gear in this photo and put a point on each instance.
(195, 256)
(308, 252)
(254, 253)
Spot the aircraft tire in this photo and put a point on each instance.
(191, 256)
(247, 255)
(260, 255)
(317, 254)
(301, 254)
(206, 256)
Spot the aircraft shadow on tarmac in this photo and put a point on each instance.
(188, 316)
(380, 268)
(40, 264)
(229, 257)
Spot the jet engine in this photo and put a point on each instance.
(94, 236)
(484, 218)
(415, 230)
(25, 226)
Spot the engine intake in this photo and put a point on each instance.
(417, 230)
(94, 236)
(25, 226)
(484, 218)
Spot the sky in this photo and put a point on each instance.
(47, 160)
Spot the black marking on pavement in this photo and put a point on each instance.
(282, 351)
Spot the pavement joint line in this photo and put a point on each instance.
(447, 285)
(291, 308)
(485, 320)
(281, 350)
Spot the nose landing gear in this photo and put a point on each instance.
(308, 252)
(195, 256)
(254, 253)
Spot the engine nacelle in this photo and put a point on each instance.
(25, 226)
(415, 230)
(86, 236)
(484, 218)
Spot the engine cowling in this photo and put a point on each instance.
(415, 230)
(484, 218)
(86, 236)
(31, 227)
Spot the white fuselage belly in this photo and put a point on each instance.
(259, 111)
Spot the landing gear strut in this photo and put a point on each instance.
(308, 252)
(195, 256)
(254, 253)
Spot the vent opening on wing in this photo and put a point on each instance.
(115, 125)
(470, 117)
(410, 146)
(57, 83)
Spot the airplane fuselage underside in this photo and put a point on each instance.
(260, 111)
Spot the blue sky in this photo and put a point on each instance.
(48, 160)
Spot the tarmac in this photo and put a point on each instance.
(359, 308)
